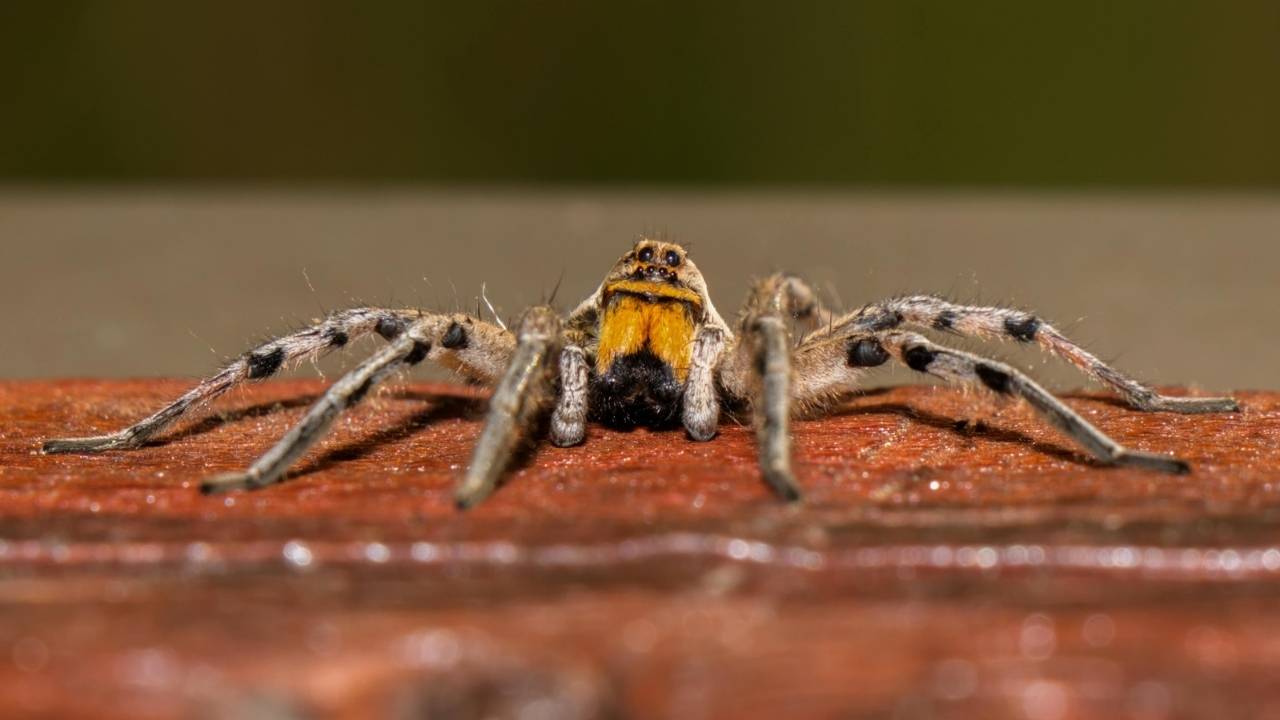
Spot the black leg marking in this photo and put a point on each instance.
(455, 338)
(945, 321)
(867, 352)
(265, 364)
(994, 378)
(1022, 329)
(338, 338)
(389, 327)
(919, 357)
(885, 320)
(418, 354)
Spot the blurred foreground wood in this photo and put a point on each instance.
(954, 559)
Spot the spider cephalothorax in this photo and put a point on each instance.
(648, 348)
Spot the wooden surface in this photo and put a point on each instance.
(954, 559)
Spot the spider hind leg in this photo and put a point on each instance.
(999, 323)
(921, 355)
(334, 332)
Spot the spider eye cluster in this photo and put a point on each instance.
(670, 258)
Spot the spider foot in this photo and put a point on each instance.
(784, 484)
(1190, 405)
(1152, 461)
(470, 494)
(229, 482)
(97, 444)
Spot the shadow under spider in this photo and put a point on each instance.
(443, 407)
(217, 420)
(968, 430)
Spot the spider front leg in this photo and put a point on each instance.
(521, 399)
(569, 421)
(771, 405)
(334, 332)
(1006, 324)
(701, 402)
(758, 371)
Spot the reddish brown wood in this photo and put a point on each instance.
(937, 570)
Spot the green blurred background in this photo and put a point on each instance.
(1144, 93)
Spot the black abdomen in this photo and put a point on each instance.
(640, 390)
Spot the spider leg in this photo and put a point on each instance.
(334, 332)
(346, 393)
(521, 397)
(771, 409)
(1006, 324)
(757, 370)
(921, 355)
(459, 341)
(792, 296)
(701, 410)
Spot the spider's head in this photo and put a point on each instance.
(657, 269)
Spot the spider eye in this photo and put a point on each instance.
(673, 258)
(645, 254)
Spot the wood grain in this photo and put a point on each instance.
(954, 559)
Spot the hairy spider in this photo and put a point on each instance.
(648, 348)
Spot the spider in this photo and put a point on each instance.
(649, 349)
